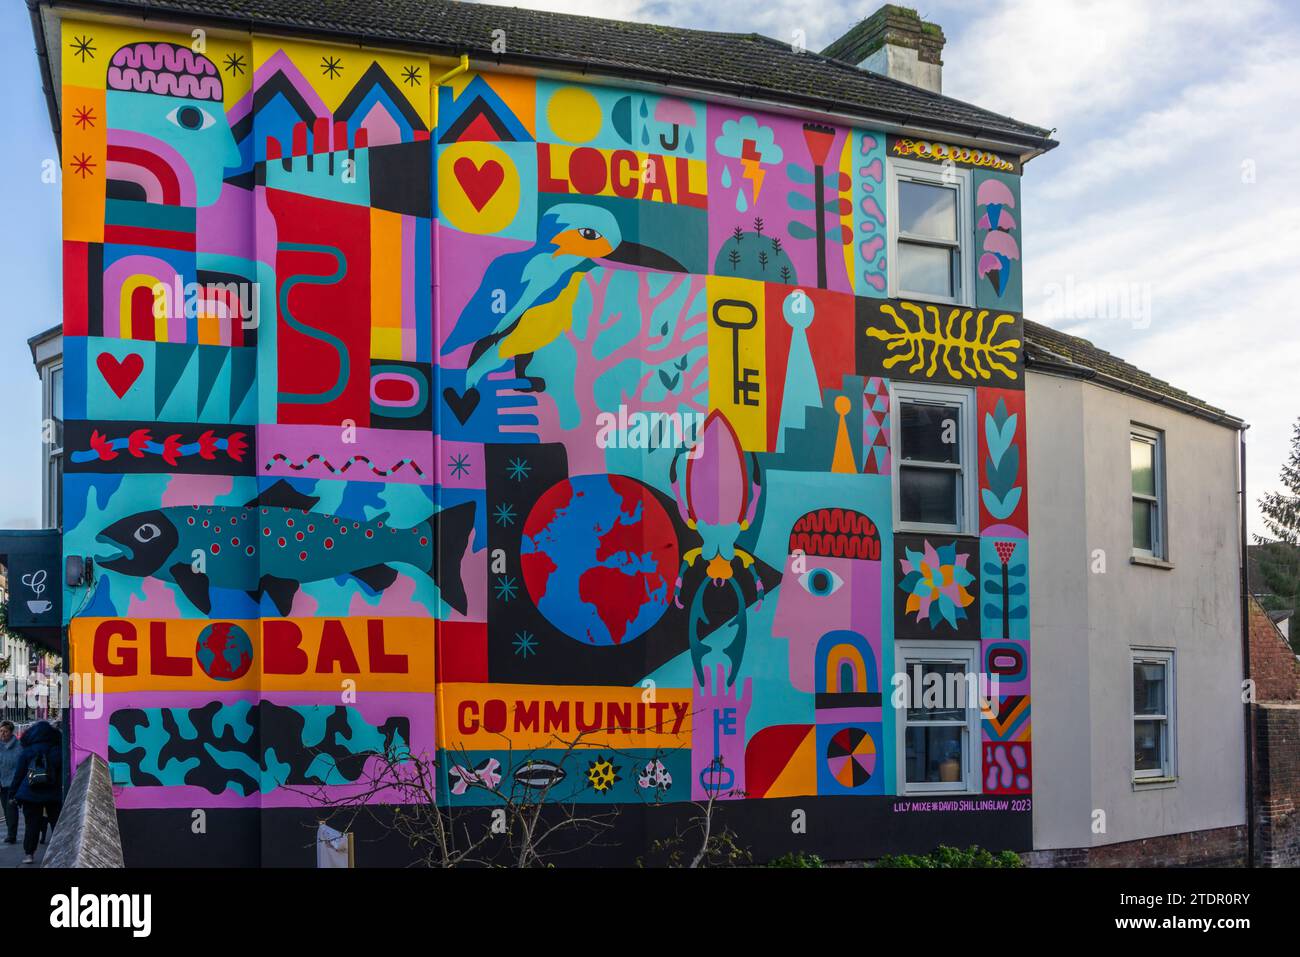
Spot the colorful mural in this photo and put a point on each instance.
(540, 431)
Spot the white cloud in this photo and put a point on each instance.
(1152, 192)
(1072, 61)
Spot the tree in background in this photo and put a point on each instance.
(1279, 554)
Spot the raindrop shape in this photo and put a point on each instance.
(645, 109)
(726, 177)
(690, 143)
(742, 204)
(645, 134)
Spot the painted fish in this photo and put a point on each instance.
(276, 542)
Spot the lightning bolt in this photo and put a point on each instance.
(749, 158)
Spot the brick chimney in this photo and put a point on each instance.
(896, 42)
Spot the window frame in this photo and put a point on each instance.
(1168, 769)
(52, 477)
(966, 653)
(967, 468)
(948, 176)
(1159, 550)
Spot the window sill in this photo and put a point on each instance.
(1153, 784)
(931, 300)
(1150, 562)
(916, 528)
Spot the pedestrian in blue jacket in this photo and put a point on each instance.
(10, 750)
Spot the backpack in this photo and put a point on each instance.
(38, 774)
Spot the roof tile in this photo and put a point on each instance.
(1046, 343)
(745, 64)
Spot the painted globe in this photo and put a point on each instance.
(599, 556)
(224, 651)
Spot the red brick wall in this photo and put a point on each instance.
(1277, 784)
(1217, 847)
(1273, 664)
(1276, 717)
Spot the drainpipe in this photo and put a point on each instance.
(457, 70)
(65, 649)
(1245, 664)
(435, 312)
(47, 77)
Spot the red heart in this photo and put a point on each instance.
(480, 183)
(120, 374)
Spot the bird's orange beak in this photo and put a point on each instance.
(570, 243)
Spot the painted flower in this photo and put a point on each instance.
(935, 582)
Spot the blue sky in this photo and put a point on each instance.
(30, 266)
(1174, 193)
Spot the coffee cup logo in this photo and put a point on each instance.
(35, 581)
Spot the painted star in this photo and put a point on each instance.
(411, 75)
(518, 469)
(504, 515)
(84, 116)
(83, 47)
(332, 66)
(83, 166)
(460, 465)
(235, 63)
(525, 644)
(506, 587)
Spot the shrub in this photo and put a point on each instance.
(945, 857)
(797, 860)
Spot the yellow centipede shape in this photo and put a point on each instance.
(977, 352)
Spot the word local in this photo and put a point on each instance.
(592, 172)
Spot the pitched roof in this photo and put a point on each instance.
(739, 64)
(1049, 349)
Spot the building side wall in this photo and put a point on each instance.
(1103, 605)
(1059, 475)
(1193, 608)
(536, 431)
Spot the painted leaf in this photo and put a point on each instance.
(1001, 508)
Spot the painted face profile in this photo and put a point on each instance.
(832, 582)
(168, 139)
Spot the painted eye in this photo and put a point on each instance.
(820, 582)
(147, 532)
(191, 118)
(588, 233)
